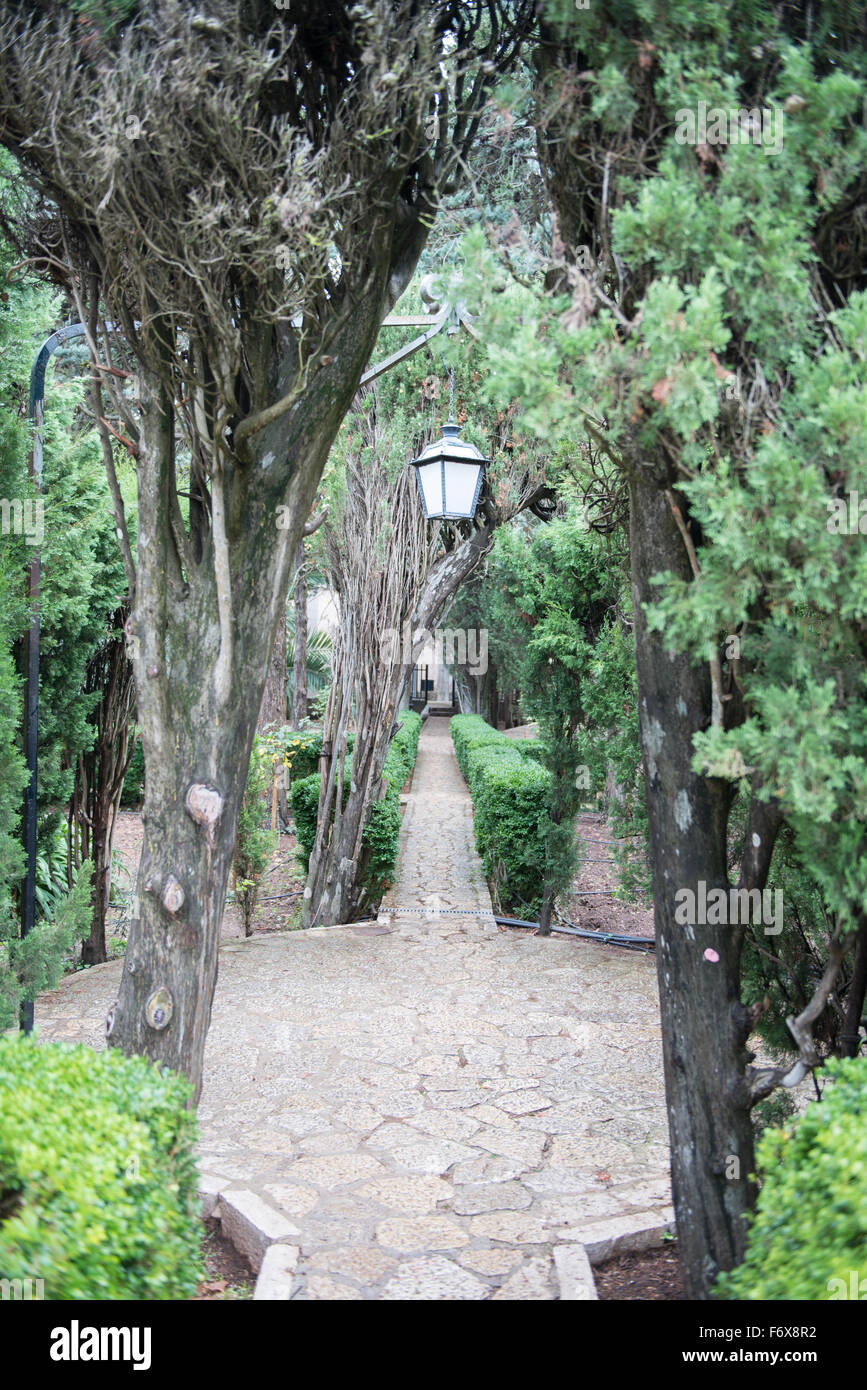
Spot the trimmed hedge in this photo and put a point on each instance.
(382, 834)
(808, 1239)
(98, 1177)
(509, 791)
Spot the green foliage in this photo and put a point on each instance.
(773, 1112)
(254, 841)
(30, 966)
(810, 1227)
(105, 14)
(97, 1174)
(81, 580)
(319, 656)
(555, 603)
(382, 832)
(304, 800)
(299, 750)
(711, 362)
(511, 798)
(796, 592)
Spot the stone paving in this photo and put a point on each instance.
(428, 1108)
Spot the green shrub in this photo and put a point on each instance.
(510, 794)
(97, 1174)
(773, 1112)
(36, 962)
(382, 833)
(810, 1226)
(254, 841)
(304, 799)
(300, 749)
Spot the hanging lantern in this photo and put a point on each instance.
(450, 474)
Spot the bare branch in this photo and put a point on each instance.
(762, 1081)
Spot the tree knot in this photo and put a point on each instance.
(205, 805)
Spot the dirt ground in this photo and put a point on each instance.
(227, 1274)
(279, 905)
(589, 905)
(648, 1275)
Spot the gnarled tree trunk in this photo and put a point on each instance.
(299, 665)
(200, 639)
(704, 1024)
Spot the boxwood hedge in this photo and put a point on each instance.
(509, 791)
(808, 1239)
(97, 1174)
(382, 834)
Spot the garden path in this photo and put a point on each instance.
(430, 1107)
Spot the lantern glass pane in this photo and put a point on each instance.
(430, 477)
(461, 479)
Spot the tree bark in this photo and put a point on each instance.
(273, 710)
(273, 713)
(546, 911)
(200, 639)
(850, 1037)
(493, 696)
(704, 1024)
(99, 778)
(299, 679)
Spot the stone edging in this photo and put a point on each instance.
(264, 1236)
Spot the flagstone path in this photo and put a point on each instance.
(431, 1107)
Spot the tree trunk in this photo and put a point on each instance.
(273, 710)
(299, 680)
(546, 911)
(493, 696)
(99, 777)
(704, 1025)
(851, 1035)
(335, 872)
(201, 636)
(273, 713)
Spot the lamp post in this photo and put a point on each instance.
(450, 471)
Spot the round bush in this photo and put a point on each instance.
(808, 1238)
(97, 1174)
